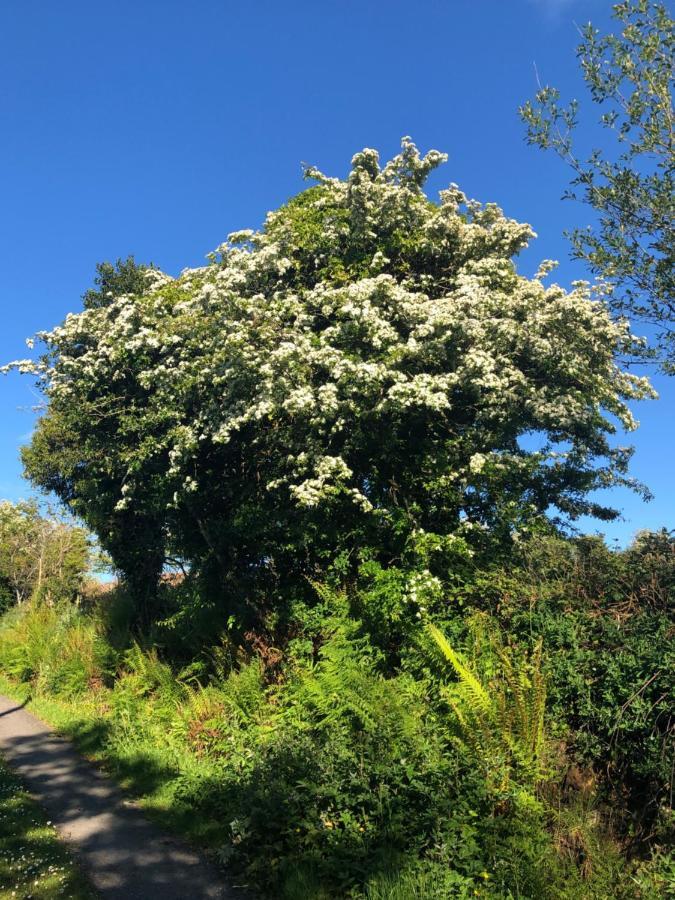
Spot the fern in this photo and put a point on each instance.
(344, 689)
(501, 722)
(467, 678)
(151, 675)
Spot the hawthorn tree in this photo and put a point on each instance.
(629, 182)
(353, 378)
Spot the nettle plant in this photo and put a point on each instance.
(359, 371)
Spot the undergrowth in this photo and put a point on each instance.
(472, 767)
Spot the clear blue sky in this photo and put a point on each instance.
(158, 126)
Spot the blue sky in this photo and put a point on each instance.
(155, 128)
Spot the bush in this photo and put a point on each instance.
(605, 618)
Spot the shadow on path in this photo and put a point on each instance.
(13, 709)
(124, 855)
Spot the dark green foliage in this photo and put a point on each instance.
(135, 541)
(319, 768)
(606, 620)
(7, 595)
(115, 279)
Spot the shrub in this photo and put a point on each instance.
(336, 771)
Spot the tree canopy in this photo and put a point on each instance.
(125, 276)
(41, 556)
(366, 370)
(629, 180)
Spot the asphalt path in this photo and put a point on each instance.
(124, 855)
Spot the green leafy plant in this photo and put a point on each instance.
(500, 720)
(332, 774)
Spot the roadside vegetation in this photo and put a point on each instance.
(334, 768)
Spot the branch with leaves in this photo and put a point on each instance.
(628, 180)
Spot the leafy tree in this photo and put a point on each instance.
(40, 557)
(356, 375)
(629, 183)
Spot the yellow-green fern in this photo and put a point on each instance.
(501, 720)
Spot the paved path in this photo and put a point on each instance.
(124, 855)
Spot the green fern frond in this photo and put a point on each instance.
(503, 723)
(465, 675)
